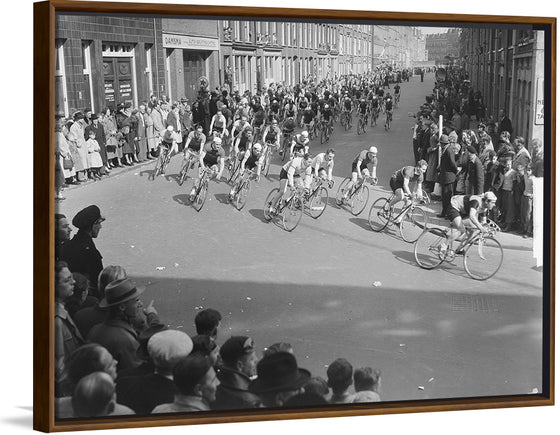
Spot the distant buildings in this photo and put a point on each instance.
(105, 60)
(443, 48)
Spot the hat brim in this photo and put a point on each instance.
(139, 290)
(259, 386)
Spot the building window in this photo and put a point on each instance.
(86, 64)
(149, 75)
(61, 91)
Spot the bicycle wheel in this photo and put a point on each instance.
(242, 194)
(427, 252)
(183, 173)
(233, 170)
(426, 197)
(323, 135)
(340, 191)
(359, 126)
(318, 203)
(483, 258)
(200, 197)
(379, 215)
(285, 148)
(268, 204)
(266, 169)
(412, 225)
(159, 166)
(291, 215)
(348, 125)
(359, 200)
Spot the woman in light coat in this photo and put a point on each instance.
(114, 153)
(77, 138)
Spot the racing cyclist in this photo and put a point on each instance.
(251, 159)
(360, 168)
(213, 156)
(467, 207)
(402, 179)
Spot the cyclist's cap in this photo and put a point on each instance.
(198, 125)
(305, 134)
(422, 163)
(274, 121)
(217, 141)
(169, 128)
(257, 147)
(373, 150)
(490, 196)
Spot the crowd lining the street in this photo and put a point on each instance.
(466, 161)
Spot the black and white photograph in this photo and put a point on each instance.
(293, 213)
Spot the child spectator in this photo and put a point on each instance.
(94, 156)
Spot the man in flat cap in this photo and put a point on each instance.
(80, 252)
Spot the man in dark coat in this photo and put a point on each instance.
(475, 173)
(239, 365)
(80, 253)
(448, 171)
(505, 123)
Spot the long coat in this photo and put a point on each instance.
(76, 136)
(111, 143)
(475, 178)
(151, 140)
(124, 127)
(433, 160)
(448, 167)
(63, 148)
(83, 257)
(141, 136)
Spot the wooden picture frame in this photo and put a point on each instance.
(44, 27)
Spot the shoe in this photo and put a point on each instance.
(230, 198)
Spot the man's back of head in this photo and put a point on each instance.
(339, 374)
(207, 322)
(94, 395)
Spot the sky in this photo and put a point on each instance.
(430, 30)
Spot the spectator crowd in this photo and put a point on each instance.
(463, 160)
(115, 356)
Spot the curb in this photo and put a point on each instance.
(114, 172)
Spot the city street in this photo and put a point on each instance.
(332, 287)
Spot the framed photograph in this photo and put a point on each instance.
(246, 214)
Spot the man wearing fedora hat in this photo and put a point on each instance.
(278, 379)
(117, 333)
(80, 252)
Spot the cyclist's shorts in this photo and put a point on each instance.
(284, 174)
(362, 167)
(453, 213)
(395, 184)
(210, 160)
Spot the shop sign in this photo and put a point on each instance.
(539, 106)
(190, 42)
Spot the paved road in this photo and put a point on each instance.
(438, 330)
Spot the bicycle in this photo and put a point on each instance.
(374, 115)
(317, 199)
(358, 197)
(242, 187)
(291, 210)
(388, 119)
(164, 157)
(347, 120)
(310, 128)
(482, 253)
(267, 157)
(286, 142)
(326, 131)
(233, 166)
(411, 219)
(188, 163)
(202, 189)
(362, 123)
